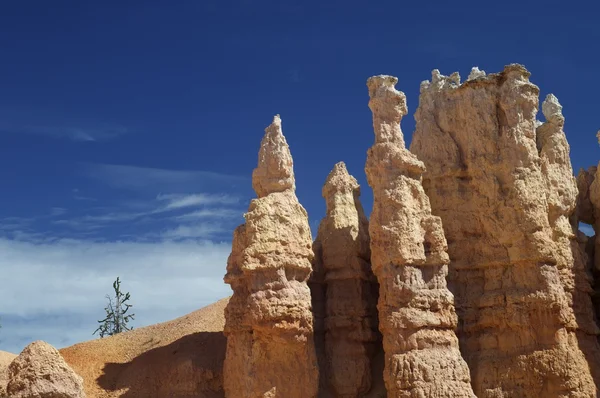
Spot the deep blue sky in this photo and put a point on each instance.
(139, 121)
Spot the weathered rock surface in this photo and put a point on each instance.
(41, 372)
(5, 359)
(505, 193)
(269, 325)
(350, 318)
(408, 254)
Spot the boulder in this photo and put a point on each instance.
(41, 372)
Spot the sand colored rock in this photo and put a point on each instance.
(350, 317)
(505, 193)
(181, 358)
(5, 359)
(408, 253)
(269, 324)
(41, 372)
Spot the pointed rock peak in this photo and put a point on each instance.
(475, 73)
(275, 170)
(598, 137)
(339, 180)
(552, 110)
(275, 126)
(388, 106)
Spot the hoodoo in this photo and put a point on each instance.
(350, 315)
(268, 320)
(503, 185)
(408, 253)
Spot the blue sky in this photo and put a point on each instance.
(129, 129)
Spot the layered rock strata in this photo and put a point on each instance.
(502, 184)
(408, 254)
(41, 372)
(350, 318)
(269, 325)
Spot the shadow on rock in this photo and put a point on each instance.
(191, 367)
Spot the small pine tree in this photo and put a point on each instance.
(116, 313)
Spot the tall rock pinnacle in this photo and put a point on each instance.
(275, 170)
(408, 253)
(351, 334)
(502, 184)
(268, 320)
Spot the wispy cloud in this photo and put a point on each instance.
(179, 201)
(209, 213)
(57, 211)
(166, 209)
(36, 123)
(158, 180)
(201, 231)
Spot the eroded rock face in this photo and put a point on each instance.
(269, 325)
(503, 186)
(588, 211)
(41, 372)
(408, 254)
(351, 288)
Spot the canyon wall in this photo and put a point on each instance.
(408, 254)
(268, 320)
(503, 185)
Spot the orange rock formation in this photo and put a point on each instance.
(416, 310)
(503, 186)
(269, 324)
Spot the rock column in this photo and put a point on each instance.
(268, 321)
(351, 332)
(408, 254)
(503, 186)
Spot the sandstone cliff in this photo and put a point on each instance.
(269, 325)
(416, 310)
(505, 193)
(343, 266)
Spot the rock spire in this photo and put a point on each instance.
(408, 253)
(350, 315)
(269, 326)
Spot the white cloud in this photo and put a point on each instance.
(55, 290)
(202, 231)
(210, 213)
(161, 180)
(178, 201)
